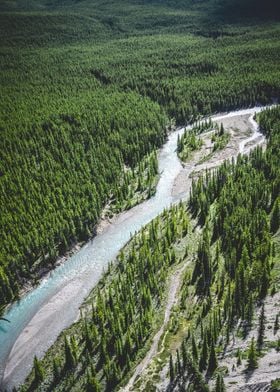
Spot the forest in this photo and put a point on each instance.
(89, 90)
(233, 267)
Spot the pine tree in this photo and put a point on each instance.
(252, 356)
(194, 349)
(275, 216)
(171, 369)
(204, 355)
(212, 362)
(56, 369)
(261, 330)
(184, 354)
(278, 345)
(178, 362)
(238, 355)
(220, 385)
(197, 378)
(276, 323)
(38, 370)
(92, 383)
(69, 357)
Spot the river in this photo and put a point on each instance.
(39, 317)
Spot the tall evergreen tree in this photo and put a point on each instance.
(204, 355)
(252, 356)
(275, 216)
(212, 362)
(261, 329)
(69, 357)
(220, 385)
(171, 369)
(38, 370)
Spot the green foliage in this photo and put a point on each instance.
(119, 316)
(77, 84)
(62, 173)
(70, 360)
(244, 193)
(252, 356)
(212, 362)
(204, 355)
(275, 216)
(171, 369)
(220, 385)
(189, 140)
(187, 143)
(261, 329)
(276, 323)
(239, 358)
(86, 89)
(220, 138)
(275, 385)
(232, 269)
(38, 371)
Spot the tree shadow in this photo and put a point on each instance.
(248, 375)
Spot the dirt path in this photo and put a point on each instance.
(172, 298)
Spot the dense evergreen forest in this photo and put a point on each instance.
(119, 315)
(88, 89)
(237, 265)
(231, 271)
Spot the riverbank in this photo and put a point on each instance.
(153, 371)
(66, 289)
(137, 185)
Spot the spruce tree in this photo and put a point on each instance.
(204, 355)
(220, 385)
(212, 362)
(171, 369)
(276, 323)
(194, 349)
(56, 369)
(38, 370)
(275, 216)
(278, 345)
(184, 354)
(178, 362)
(252, 356)
(92, 383)
(238, 355)
(261, 330)
(69, 357)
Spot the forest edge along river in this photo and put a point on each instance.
(40, 316)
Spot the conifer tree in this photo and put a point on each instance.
(56, 369)
(252, 356)
(278, 345)
(261, 329)
(220, 385)
(194, 349)
(204, 355)
(69, 357)
(184, 354)
(212, 362)
(178, 362)
(238, 355)
(171, 369)
(92, 383)
(275, 216)
(276, 323)
(38, 370)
